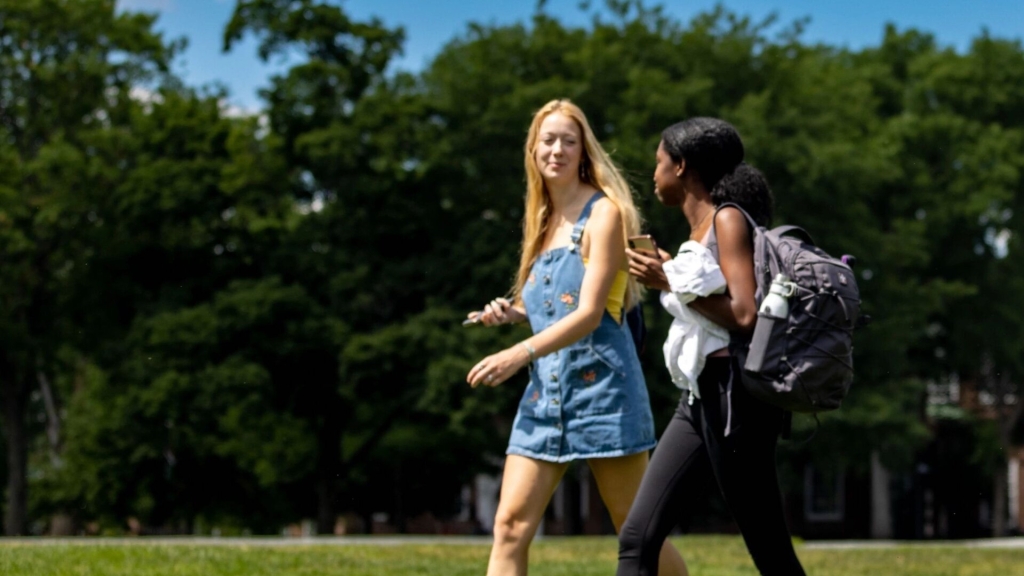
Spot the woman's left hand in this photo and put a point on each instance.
(497, 368)
(647, 269)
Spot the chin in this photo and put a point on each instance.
(556, 176)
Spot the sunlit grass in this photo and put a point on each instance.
(582, 556)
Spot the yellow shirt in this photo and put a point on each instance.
(617, 295)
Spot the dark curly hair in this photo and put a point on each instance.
(712, 147)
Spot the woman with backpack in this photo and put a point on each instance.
(586, 399)
(717, 428)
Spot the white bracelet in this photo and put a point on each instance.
(530, 351)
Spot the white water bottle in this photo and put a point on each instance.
(776, 303)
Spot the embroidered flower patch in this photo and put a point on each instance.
(569, 299)
(589, 376)
(532, 279)
(535, 397)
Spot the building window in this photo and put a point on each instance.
(824, 493)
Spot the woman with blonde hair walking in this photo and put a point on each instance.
(586, 399)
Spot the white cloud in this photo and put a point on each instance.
(235, 111)
(145, 95)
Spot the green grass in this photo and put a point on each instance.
(584, 556)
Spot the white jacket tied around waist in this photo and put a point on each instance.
(692, 273)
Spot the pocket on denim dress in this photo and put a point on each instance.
(598, 385)
(531, 396)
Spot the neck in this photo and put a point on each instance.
(564, 194)
(696, 207)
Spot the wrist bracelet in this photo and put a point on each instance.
(530, 351)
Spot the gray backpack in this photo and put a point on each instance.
(801, 361)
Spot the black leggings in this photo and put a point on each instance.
(743, 463)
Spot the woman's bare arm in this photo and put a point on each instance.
(606, 257)
(736, 309)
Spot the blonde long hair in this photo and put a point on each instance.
(596, 169)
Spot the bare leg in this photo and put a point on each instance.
(618, 480)
(526, 489)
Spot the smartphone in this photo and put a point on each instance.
(643, 243)
(477, 320)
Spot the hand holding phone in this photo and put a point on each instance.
(645, 263)
(498, 311)
(644, 243)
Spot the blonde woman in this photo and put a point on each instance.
(586, 398)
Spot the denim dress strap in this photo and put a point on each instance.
(581, 222)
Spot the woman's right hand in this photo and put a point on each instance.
(648, 269)
(499, 311)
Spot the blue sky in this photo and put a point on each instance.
(431, 23)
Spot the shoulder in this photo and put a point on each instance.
(730, 222)
(605, 211)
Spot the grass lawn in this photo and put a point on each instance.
(583, 556)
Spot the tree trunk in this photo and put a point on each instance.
(328, 472)
(325, 505)
(999, 494)
(15, 401)
(53, 423)
(399, 521)
(1006, 416)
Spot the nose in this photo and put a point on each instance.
(556, 147)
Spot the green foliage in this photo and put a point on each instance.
(67, 74)
(252, 320)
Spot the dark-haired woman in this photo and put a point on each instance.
(724, 430)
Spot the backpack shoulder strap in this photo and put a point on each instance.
(712, 245)
(637, 327)
(749, 218)
(793, 231)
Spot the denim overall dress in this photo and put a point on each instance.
(589, 399)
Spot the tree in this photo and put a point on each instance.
(974, 143)
(196, 211)
(356, 143)
(67, 69)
